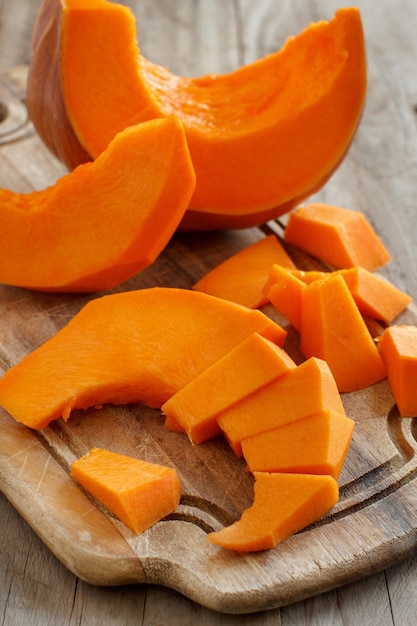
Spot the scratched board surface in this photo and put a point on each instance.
(373, 524)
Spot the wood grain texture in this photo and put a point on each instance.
(379, 178)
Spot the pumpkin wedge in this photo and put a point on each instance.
(283, 505)
(103, 222)
(241, 277)
(261, 138)
(138, 346)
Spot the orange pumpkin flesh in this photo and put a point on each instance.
(241, 277)
(261, 138)
(251, 365)
(139, 346)
(398, 349)
(137, 492)
(63, 238)
(283, 504)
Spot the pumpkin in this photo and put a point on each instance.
(398, 349)
(316, 444)
(241, 277)
(283, 504)
(341, 237)
(138, 346)
(332, 328)
(62, 238)
(137, 492)
(302, 391)
(261, 138)
(250, 366)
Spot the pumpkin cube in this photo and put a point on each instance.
(135, 491)
(340, 237)
(374, 296)
(316, 444)
(398, 348)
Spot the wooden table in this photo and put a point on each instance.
(213, 35)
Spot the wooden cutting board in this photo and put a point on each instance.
(373, 525)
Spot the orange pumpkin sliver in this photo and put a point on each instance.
(249, 366)
(398, 348)
(241, 277)
(341, 237)
(135, 491)
(316, 444)
(283, 504)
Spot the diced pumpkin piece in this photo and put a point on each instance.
(316, 444)
(332, 328)
(307, 389)
(341, 237)
(241, 277)
(137, 492)
(102, 223)
(283, 505)
(251, 132)
(398, 348)
(135, 346)
(249, 366)
(283, 289)
(375, 297)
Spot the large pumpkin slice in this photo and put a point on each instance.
(137, 346)
(262, 138)
(103, 222)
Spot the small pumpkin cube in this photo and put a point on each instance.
(135, 491)
(341, 237)
(398, 348)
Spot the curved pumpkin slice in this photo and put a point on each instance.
(283, 505)
(261, 138)
(103, 222)
(139, 346)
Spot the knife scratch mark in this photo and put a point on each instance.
(45, 467)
